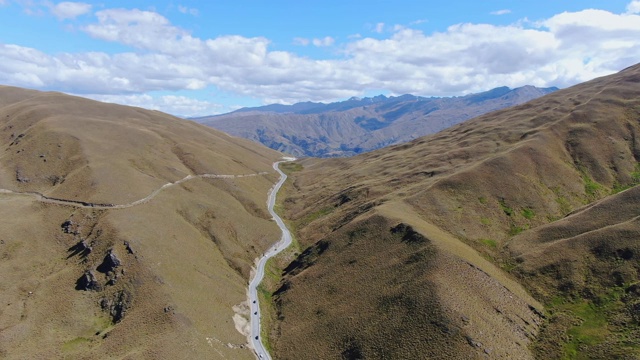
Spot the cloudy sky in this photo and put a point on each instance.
(193, 58)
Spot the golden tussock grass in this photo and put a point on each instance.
(185, 255)
(493, 189)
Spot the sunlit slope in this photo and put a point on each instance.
(586, 264)
(477, 184)
(559, 147)
(155, 280)
(64, 145)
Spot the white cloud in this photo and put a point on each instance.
(501, 12)
(69, 10)
(172, 104)
(134, 27)
(301, 41)
(633, 7)
(142, 30)
(592, 19)
(325, 41)
(378, 28)
(562, 50)
(187, 10)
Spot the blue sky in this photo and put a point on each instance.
(193, 58)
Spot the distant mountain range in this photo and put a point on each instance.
(359, 125)
(514, 235)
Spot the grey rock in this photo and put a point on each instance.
(88, 282)
(69, 227)
(81, 248)
(118, 305)
(110, 262)
(128, 247)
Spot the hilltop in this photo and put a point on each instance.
(357, 125)
(507, 236)
(100, 257)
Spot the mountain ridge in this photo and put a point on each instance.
(100, 256)
(512, 195)
(357, 125)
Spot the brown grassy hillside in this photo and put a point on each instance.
(469, 190)
(587, 265)
(154, 280)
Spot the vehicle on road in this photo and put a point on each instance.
(285, 241)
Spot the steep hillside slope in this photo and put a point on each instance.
(100, 257)
(465, 192)
(359, 125)
(587, 264)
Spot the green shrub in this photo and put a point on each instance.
(489, 242)
(591, 188)
(515, 229)
(528, 213)
(507, 210)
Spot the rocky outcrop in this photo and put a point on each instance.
(82, 248)
(117, 305)
(127, 245)
(110, 263)
(88, 282)
(70, 227)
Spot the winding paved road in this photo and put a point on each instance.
(284, 242)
